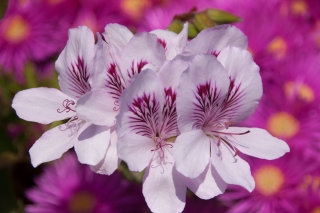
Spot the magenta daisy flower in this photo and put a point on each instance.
(289, 108)
(311, 188)
(276, 187)
(67, 186)
(25, 36)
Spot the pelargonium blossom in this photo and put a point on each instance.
(46, 105)
(213, 94)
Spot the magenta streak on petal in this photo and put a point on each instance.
(114, 84)
(162, 42)
(136, 69)
(169, 126)
(145, 116)
(215, 53)
(232, 102)
(78, 77)
(206, 106)
(66, 104)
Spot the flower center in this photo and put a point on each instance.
(299, 7)
(277, 47)
(303, 91)
(283, 125)
(16, 29)
(135, 8)
(316, 210)
(269, 179)
(82, 202)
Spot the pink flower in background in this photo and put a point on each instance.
(277, 187)
(289, 108)
(146, 125)
(25, 36)
(67, 186)
(46, 105)
(310, 202)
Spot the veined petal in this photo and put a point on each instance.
(74, 64)
(164, 191)
(214, 40)
(143, 51)
(232, 169)
(140, 107)
(245, 88)
(191, 153)
(51, 145)
(110, 162)
(117, 36)
(43, 105)
(257, 143)
(208, 185)
(135, 150)
(164, 37)
(202, 88)
(92, 144)
(98, 107)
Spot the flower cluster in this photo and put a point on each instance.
(160, 103)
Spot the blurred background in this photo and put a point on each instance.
(284, 39)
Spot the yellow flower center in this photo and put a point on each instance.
(277, 47)
(269, 179)
(303, 91)
(316, 210)
(299, 7)
(15, 29)
(135, 8)
(82, 202)
(283, 125)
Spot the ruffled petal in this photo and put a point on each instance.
(98, 107)
(202, 88)
(214, 40)
(232, 169)
(164, 188)
(74, 64)
(191, 153)
(135, 150)
(92, 144)
(143, 51)
(43, 105)
(117, 36)
(245, 89)
(208, 185)
(52, 144)
(257, 143)
(110, 162)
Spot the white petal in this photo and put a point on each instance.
(141, 105)
(98, 107)
(233, 170)
(164, 189)
(110, 162)
(43, 105)
(257, 143)
(202, 88)
(245, 87)
(214, 40)
(191, 153)
(74, 64)
(51, 145)
(135, 150)
(143, 51)
(208, 185)
(118, 37)
(176, 46)
(92, 144)
(171, 71)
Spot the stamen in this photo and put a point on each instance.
(229, 133)
(74, 124)
(117, 106)
(66, 104)
(161, 158)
